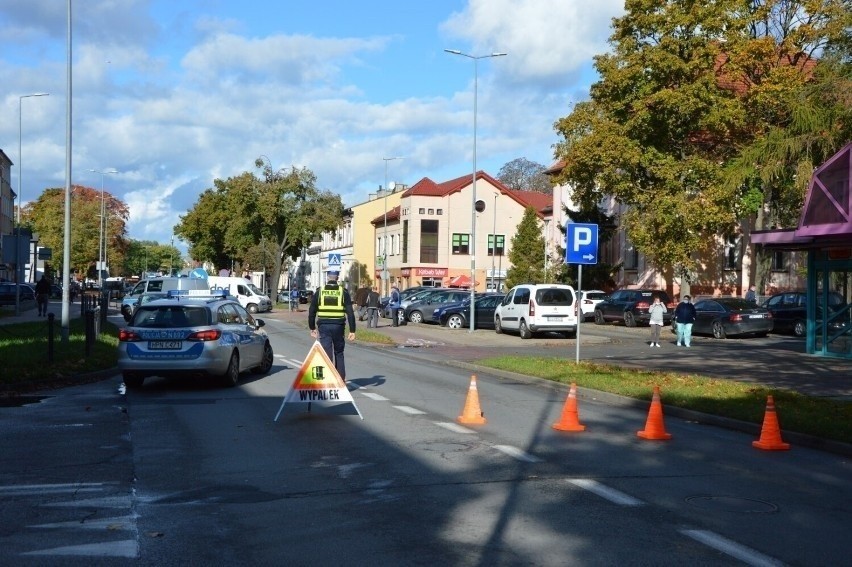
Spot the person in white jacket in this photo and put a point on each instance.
(656, 311)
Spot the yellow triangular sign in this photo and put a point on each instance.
(316, 382)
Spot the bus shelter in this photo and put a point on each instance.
(825, 234)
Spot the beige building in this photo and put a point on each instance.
(427, 238)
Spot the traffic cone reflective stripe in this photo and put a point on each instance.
(770, 433)
(655, 429)
(570, 420)
(472, 413)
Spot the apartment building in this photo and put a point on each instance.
(422, 235)
(7, 209)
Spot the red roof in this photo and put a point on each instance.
(392, 215)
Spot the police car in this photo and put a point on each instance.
(193, 333)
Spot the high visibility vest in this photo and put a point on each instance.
(330, 303)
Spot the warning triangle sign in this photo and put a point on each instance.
(318, 382)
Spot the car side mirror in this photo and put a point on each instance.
(258, 323)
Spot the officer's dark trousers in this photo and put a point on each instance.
(333, 342)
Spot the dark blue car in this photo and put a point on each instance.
(457, 315)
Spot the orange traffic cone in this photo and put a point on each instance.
(570, 420)
(655, 430)
(770, 433)
(472, 414)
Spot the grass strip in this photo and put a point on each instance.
(821, 417)
(24, 352)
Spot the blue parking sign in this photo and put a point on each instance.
(581, 243)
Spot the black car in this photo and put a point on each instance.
(458, 316)
(631, 306)
(729, 316)
(8, 291)
(789, 311)
(421, 311)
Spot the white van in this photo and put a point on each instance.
(246, 292)
(158, 285)
(533, 308)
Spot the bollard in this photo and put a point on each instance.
(90, 331)
(50, 318)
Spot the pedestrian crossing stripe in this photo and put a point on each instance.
(317, 381)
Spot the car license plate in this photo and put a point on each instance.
(164, 345)
(757, 316)
(552, 319)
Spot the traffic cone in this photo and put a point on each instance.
(655, 430)
(570, 420)
(770, 433)
(472, 414)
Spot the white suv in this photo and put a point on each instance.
(532, 308)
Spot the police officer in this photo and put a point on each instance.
(331, 307)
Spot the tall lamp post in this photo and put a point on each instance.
(476, 59)
(18, 270)
(102, 233)
(494, 244)
(385, 274)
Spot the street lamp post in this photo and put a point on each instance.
(476, 59)
(494, 243)
(546, 238)
(18, 270)
(385, 273)
(102, 228)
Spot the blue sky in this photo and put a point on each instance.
(174, 94)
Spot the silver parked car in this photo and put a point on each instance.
(193, 333)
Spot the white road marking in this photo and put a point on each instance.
(125, 548)
(106, 502)
(291, 361)
(118, 523)
(377, 397)
(26, 489)
(516, 453)
(611, 494)
(410, 410)
(732, 548)
(454, 427)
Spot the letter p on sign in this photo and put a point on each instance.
(582, 237)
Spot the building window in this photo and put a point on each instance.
(631, 256)
(461, 243)
(422, 211)
(779, 261)
(501, 240)
(429, 241)
(431, 211)
(732, 253)
(440, 211)
(405, 242)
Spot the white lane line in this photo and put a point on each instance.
(611, 494)
(125, 548)
(732, 548)
(454, 427)
(410, 410)
(106, 502)
(51, 488)
(518, 454)
(290, 361)
(118, 523)
(377, 397)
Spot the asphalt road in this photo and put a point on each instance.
(181, 473)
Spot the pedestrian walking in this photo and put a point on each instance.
(328, 314)
(361, 295)
(395, 301)
(657, 311)
(373, 303)
(684, 318)
(42, 290)
(294, 299)
(751, 295)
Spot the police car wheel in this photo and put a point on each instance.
(232, 374)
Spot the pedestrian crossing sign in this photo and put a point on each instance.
(318, 382)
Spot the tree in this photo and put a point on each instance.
(248, 219)
(525, 175)
(687, 89)
(148, 256)
(46, 216)
(527, 253)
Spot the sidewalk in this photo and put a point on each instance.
(29, 312)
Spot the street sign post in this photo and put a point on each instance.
(581, 247)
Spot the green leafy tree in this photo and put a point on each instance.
(149, 256)
(46, 216)
(687, 90)
(525, 175)
(236, 219)
(527, 253)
